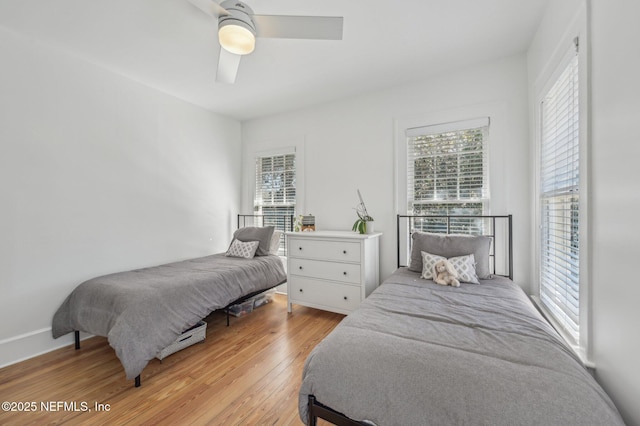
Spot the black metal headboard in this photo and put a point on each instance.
(499, 228)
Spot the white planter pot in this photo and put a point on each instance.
(370, 227)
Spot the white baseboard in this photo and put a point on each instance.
(28, 345)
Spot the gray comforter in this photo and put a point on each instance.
(417, 353)
(143, 311)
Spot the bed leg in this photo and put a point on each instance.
(227, 317)
(137, 381)
(77, 337)
(312, 420)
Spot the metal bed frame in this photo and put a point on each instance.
(256, 220)
(318, 410)
(261, 220)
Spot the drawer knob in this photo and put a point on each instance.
(344, 251)
(344, 273)
(300, 267)
(345, 298)
(300, 290)
(299, 248)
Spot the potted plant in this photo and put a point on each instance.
(364, 223)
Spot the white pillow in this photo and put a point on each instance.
(428, 262)
(242, 249)
(465, 266)
(275, 242)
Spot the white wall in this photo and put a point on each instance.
(350, 144)
(98, 174)
(614, 203)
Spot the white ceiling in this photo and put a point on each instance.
(172, 46)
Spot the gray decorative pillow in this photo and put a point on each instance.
(275, 242)
(451, 246)
(260, 234)
(464, 266)
(242, 249)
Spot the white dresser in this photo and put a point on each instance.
(331, 270)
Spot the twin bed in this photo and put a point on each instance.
(419, 353)
(145, 310)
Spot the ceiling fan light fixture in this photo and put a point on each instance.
(238, 28)
(236, 37)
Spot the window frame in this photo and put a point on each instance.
(253, 179)
(497, 153)
(574, 38)
(271, 155)
(450, 127)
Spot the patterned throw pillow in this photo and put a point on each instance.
(428, 262)
(465, 266)
(242, 249)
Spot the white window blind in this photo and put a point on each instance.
(275, 195)
(447, 170)
(559, 200)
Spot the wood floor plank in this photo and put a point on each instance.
(245, 374)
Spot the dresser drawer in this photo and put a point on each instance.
(342, 297)
(344, 251)
(335, 271)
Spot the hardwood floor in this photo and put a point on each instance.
(248, 374)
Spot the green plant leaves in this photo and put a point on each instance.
(360, 226)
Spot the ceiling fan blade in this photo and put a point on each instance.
(228, 64)
(307, 27)
(210, 7)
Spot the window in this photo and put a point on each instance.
(559, 199)
(276, 190)
(447, 172)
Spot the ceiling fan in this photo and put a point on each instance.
(238, 28)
